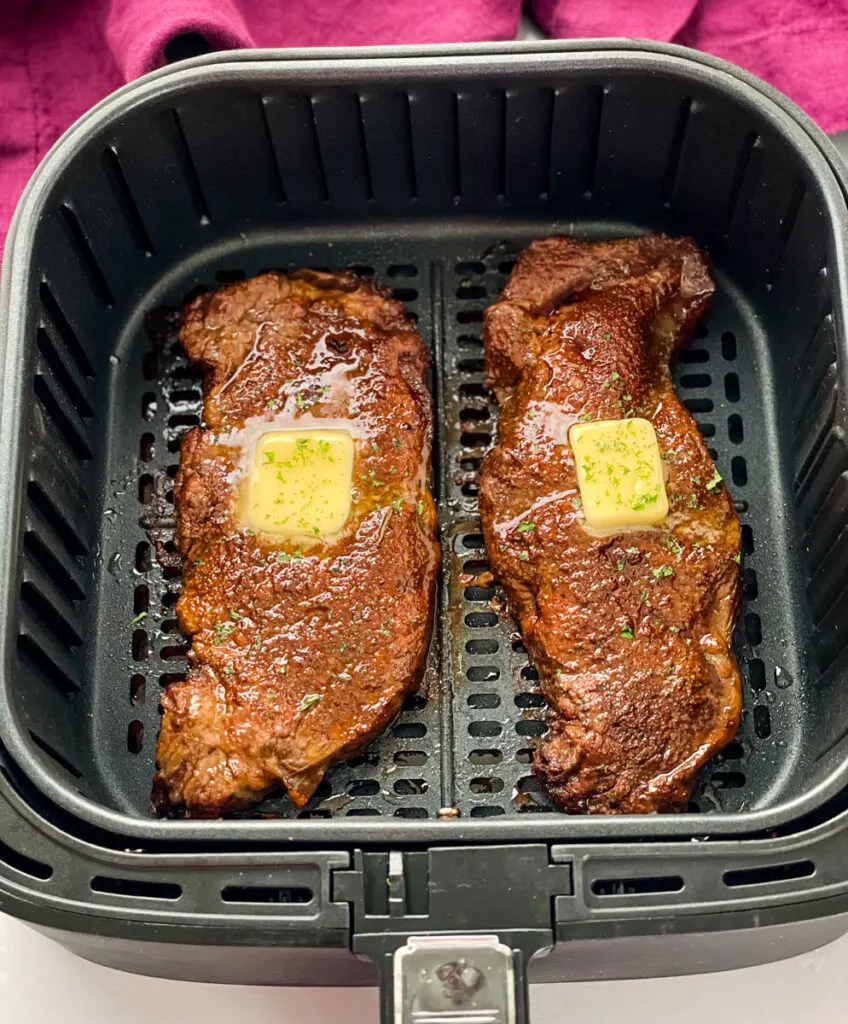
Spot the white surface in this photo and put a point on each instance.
(40, 983)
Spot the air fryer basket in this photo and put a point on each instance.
(430, 173)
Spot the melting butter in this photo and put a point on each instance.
(299, 483)
(619, 472)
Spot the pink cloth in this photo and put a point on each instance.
(59, 57)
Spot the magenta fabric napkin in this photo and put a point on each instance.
(59, 57)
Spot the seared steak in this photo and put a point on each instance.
(630, 631)
(301, 654)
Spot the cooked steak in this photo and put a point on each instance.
(630, 631)
(301, 654)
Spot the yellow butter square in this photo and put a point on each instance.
(300, 483)
(619, 472)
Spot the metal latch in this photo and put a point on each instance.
(454, 979)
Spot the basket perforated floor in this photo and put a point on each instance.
(467, 740)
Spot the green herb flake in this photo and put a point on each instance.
(223, 631)
(269, 456)
(526, 527)
(577, 502)
(197, 561)
(235, 616)
(737, 558)
(524, 556)
(271, 403)
(228, 670)
(619, 564)
(606, 335)
(309, 701)
(396, 441)
(585, 417)
(283, 669)
(420, 507)
(139, 617)
(397, 504)
(627, 632)
(662, 571)
(674, 547)
(713, 484)
(674, 629)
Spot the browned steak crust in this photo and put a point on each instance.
(299, 657)
(630, 632)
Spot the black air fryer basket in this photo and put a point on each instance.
(429, 170)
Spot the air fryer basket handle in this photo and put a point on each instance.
(454, 979)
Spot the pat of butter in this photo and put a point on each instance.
(620, 473)
(300, 483)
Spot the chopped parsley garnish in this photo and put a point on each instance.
(619, 564)
(526, 527)
(524, 555)
(283, 669)
(223, 631)
(674, 629)
(627, 632)
(397, 504)
(396, 441)
(606, 335)
(269, 456)
(577, 502)
(662, 571)
(641, 501)
(673, 546)
(712, 485)
(420, 507)
(342, 647)
(271, 403)
(737, 558)
(139, 617)
(309, 701)
(584, 417)
(228, 670)
(235, 616)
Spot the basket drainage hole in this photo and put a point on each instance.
(410, 758)
(485, 729)
(137, 688)
(411, 812)
(136, 888)
(747, 540)
(135, 736)
(530, 727)
(524, 756)
(405, 294)
(484, 785)
(470, 268)
(364, 787)
(482, 646)
(143, 558)
(636, 886)
(693, 355)
(141, 599)
(483, 674)
(410, 787)
(486, 811)
(529, 700)
(267, 894)
(148, 406)
(147, 447)
(750, 586)
(486, 701)
(753, 629)
(402, 270)
(728, 345)
(762, 722)
(471, 291)
(696, 380)
(485, 757)
(140, 647)
(480, 620)
(739, 470)
(415, 702)
(772, 873)
(731, 387)
(735, 430)
(479, 593)
(410, 730)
